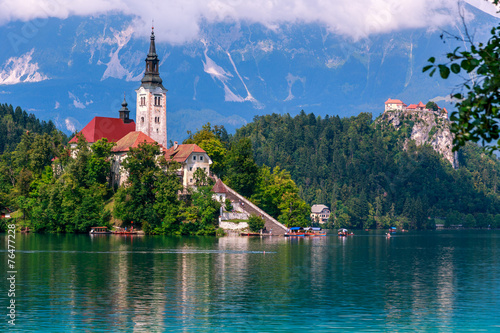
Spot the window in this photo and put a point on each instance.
(201, 158)
(194, 157)
(190, 168)
(191, 180)
(142, 119)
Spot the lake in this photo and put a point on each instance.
(440, 281)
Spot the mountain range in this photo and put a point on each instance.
(70, 70)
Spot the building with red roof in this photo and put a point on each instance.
(120, 151)
(398, 105)
(394, 104)
(191, 157)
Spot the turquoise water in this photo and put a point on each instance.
(434, 282)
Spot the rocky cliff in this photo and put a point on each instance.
(424, 127)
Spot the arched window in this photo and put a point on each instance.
(142, 119)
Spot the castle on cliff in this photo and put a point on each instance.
(398, 105)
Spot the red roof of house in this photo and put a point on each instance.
(182, 152)
(394, 101)
(421, 105)
(219, 187)
(412, 106)
(444, 110)
(132, 140)
(104, 127)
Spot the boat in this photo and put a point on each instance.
(122, 231)
(295, 232)
(344, 232)
(99, 231)
(314, 231)
(250, 234)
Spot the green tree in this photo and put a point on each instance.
(241, 169)
(255, 223)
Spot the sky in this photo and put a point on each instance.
(179, 21)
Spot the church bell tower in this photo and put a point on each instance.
(151, 115)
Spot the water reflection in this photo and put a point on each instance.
(410, 282)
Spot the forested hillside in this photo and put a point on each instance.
(14, 123)
(359, 168)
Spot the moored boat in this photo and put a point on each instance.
(251, 234)
(295, 232)
(122, 231)
(99, 231)
(314, 231)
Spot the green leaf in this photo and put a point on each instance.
(455, 68)
(431, 60)
(432, 72)
(444, 71)
(426, 68)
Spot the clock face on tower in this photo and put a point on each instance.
(151, 115)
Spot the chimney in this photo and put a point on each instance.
(176, 145)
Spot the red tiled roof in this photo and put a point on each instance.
(219, 187)
(412, 106)
(421, 105)
(104, 127)
(394, 101)
(132, 140)
(444, 110)
(182, 152)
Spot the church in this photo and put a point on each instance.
(150, 126)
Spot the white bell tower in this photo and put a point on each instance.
(151, 115)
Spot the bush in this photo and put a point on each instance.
(255, 223)
(228, 205)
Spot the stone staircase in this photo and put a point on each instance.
(241, 203)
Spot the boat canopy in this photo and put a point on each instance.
(295, 228)
(342, 230)
(316, 229)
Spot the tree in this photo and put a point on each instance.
(255, 223)
(242, 171)
(135, 202)
(431, 106)
(478, 100)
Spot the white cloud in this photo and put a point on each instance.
(71, 124)
(76, 101)
(4, 92)
(57, 105)
(18, 70)
(180, 20)
(447, 99)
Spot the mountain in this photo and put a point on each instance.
(71, 70)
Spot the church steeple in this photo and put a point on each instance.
(125, 112)
(152, 77)
(151, 111)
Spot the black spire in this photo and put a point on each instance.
(152, 75)
(124, 112)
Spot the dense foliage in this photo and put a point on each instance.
(367, 172)
(359, 168)
(14, 123)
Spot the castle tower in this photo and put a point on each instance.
(151, 115)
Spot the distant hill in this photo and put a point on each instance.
(13, 123)
(371, 173)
